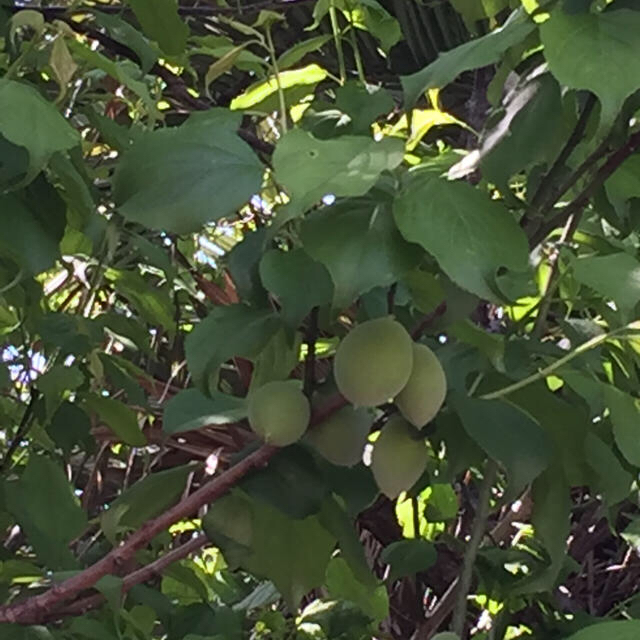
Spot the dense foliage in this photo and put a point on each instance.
(202, 204)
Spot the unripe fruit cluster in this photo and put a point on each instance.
(375, 363)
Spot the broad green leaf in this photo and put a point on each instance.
(342, 585)
(70, 426)
(477, 53)
(347, 166)
(122, 420)
(363, 104)
(360, 248)
(470, 235)
(615, 277)
(530, 132)
(259, 94)
(179, 179)
(43, 503)
(631, 534)
(191, 409)
(618, 629)
(606, 44)
(474, 10)
(287, 276)
(123, 32)
(144, 500)
(551, 523)
(609, 476)
(55, 382)
(371, 16)
(152, 302)
(226, 332)
(625, 416)
(22, 632)
(31, 243)
(408, 557)
(279, 357)
(223, 64)
(160, 21)
(299, 50)
(293, 554)
(14, 163)
(507, 435)
(28, 120)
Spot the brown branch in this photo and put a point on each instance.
(429, 319)
(612, 163)
(38, 608)
(139, 576)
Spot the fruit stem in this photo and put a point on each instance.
(471, 552)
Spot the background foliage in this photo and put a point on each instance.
(198, 199)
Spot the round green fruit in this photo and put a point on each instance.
(342, 437)
(398, 459)
(373, 362)
(279, 412)
(426, 389)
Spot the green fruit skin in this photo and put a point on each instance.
(424, 393)
(279, 412)
(397, 460)
(373, 362)
(342, 437)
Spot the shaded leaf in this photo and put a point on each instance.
(606, 44)
(43, 503)
(191, 409)
(360, 248)
(287, 276)
(470, 235)
(179, 179)
(507, 435)
(29, 121)
(618, 629)
(408, 557)
(625, 416)
(122, 420)
(609, 477)
(160, 21)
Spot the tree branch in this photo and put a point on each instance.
(606, 170)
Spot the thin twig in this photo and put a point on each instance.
(21, 431)
(471, 552)
(612, 163)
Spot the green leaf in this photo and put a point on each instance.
(294, 54)
(474, 10)
(607, 46)
(31, 244)
(408, 557)
(226, 332)
(477, 53)
(44, 505)
(160, 21)
(618, 629)
(62, 64)
(347, 166)
(279, 357)
(262, 95)
(190, 409)
(609, 476)
(507, 435)
(631, 534)
(179, 179)
(363, 104)
(29, 121)
(625, 416)
(293, 554)
(70, 426)
(470, 235)
(122, 420)
(144, 500)
(342, 584)
(55, 382)
(223, 64)
(624, 184)
(152, 302)
(287, 276)
(616, 277)
(359, 246)
(123, 32)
